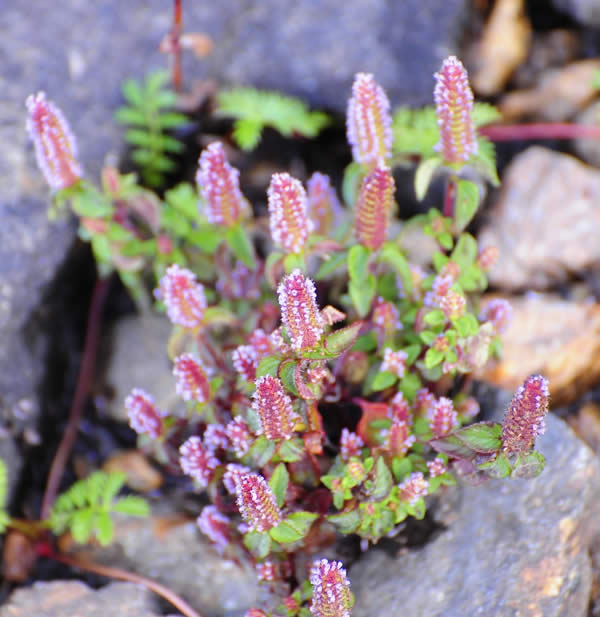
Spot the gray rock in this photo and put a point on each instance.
(69, 598)
(511, 548)
(585, 11)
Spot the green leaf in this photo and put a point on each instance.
(205, 237)
(291, 450)
(91, 204)
(279, 483)
(346, 522)
(485, 113)
(261, 451)
(529, 465)
(329, 266)
(467, 201)
(109, 489)
(424, 174)
(401, 467)
(412, 353)
(465, 252)
(132, 505)
(293, 528)
(409, 385)
(383, 481)
(392, 255)
(268, 366)
(358, 263)
(133, 92)
(383, 380)
(428, 337)
(453, 446)
(366, 342)
(482, 437)
(498, 468)
(247, 133)
(445, 240)
(435, 318)
(82, 525)
(354, 175)
(343, 339)
(240, 245)
(415, 131)
(172, 120)
(485, 160)
(104, 528)
(287, 374)
(466, 325)
(258, 543)
(130, 115)
(433, 357)
(4, 521)
(362, 294)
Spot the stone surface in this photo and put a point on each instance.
(557, 338)
(588, 149)
(74, 599)
(512, 547)
(585, 11)
(139, 359)
(172, 551)
(546, 221)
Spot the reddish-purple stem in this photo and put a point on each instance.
(84, 380)
(449, 197)
(177, 75)
(541, 130)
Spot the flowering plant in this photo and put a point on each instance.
(318, 364)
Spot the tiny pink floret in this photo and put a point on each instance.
(350, 444)
(394, 362)
(414, 487)
(192, 382)
(442, 417)
(331, 590)
(183, 296)
(274, 408)
(256, 502)
(144, 417)
(197, 461)
(216, 526)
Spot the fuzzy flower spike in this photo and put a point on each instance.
(374, 207)
(289, 222)
(256, 502)
(299, 312)
(55, 145)
(453, 107)
(331, 590)
(219, 184)
(368, 122)
(183, 296)
(524, 420)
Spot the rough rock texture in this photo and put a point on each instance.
(173, 552)
(585, 11)
(71, 598)
(557, 338)
(139, 359)
(546, 221)
(513, 547)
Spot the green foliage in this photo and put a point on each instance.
(85, 508)
(4, 517)
(255, 109)
(149, 114)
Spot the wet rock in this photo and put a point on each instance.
(586, 424)
(585, 11)
(558, 96)
(141, 475)
(139, 359)
(69, 598)
(170, 549)
(512, 547)
(557, 338)
(546, 221)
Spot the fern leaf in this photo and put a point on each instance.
(82, 525)
(133, 92)
(130, 115)
(485, 113)
(132, 505)
(104, 528)
(113, 484)
(247, 133)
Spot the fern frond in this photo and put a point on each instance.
(255, 109)
(149, 114)
(85, 508)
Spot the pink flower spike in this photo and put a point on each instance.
(394, 362)
(144, 417)
(323, 205)
(256, 502)
(414, 487)
(219, 184)
(453, 305)
(192, 379)
(183, 297)
(454, 104)
(436, 467)
(267, 571)
(216, 526)
(398, 438)
(274, 408)
(232, 475)
(525, 418)
(368, 122)
(55, 145)
(350, 445)
(239, 435)
(331, 590)
(386, 318)
(245, 361)
(374, 207)
(499, 312)
(197, 461)
(287, 203)
(215, 437)
(442, 417)
(400, 409)
(299, 311)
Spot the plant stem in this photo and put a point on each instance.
(541, 130)
(84, 380)
(177, 73)
(449, 197)
(179, 603)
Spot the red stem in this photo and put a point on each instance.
(177, 75)
(541, 130)
(449, 197)
(179, 603)
(84, 380)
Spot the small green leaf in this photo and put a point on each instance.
(424, 174)
(409, 385)
(466, 325)
(132, 505)
(279, 483)
(435, 318)
(240, 245)
(453, 446)
(358, 263)
(412, 353)
(401, 468)
(258, 543)
(392, 255)
(184, 199)
(383, 481)
(362, 294)
(366, 342)
(287, 374)
(353, 178)
(293, 528)
(497, 468)
(291, 450)
(467, 201)
(529, 465)
(82, 524)
(261, 451)
(383, 380)
(205, 237)
(346, 522)
(268, 366)
(428, 337)
(433, 357)
(465, 252)
(329, 266)
(482, 437)
(247, 133)
(104, 528)
(341, 340)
